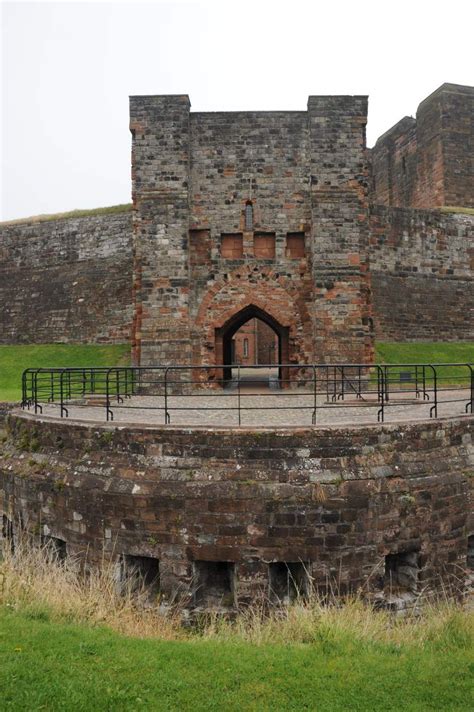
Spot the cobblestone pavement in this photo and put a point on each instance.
(264, 408)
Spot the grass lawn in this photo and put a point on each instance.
(54, 666)
(14, 359)
(425, 352)
(428, 352)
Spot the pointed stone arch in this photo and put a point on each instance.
(224, 334)
(263, 292)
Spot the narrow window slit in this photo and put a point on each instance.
(248, 216)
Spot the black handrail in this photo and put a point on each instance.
(66, 387)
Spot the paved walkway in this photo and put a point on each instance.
(264, 408)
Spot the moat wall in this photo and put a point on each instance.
(340, 500)
(66, 280)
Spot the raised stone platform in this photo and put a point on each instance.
(224, 515)
(260, 407)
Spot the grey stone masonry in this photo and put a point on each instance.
(302, 173)
(67, 280)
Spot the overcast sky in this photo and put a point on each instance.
(68, 69)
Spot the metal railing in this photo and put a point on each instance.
(178, 393)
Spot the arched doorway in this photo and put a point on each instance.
(226, 343)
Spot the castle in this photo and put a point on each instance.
(282, 217)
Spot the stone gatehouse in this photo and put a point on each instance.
(250, 215)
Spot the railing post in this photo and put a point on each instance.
(35, 390)
(38, 406)
(108, 411)
(23, 389)
(167, 415)
(315, 394)
(470, 403)
(381, 395)
(343, 384)
(238, 393)
(63, 409)
(117, 385)
(434, 407)
(51, 387)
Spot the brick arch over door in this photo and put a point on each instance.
(267, 291)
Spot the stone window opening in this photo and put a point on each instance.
(470, 552)
(56, 548)
(246, 348)
(295, 247)
(7, 532)
(402, 571)
(248, 216)
(140, 574)
(214, 584)
(288, 581)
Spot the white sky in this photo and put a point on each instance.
(68, 69)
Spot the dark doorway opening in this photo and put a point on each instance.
(214, 584)
(237, 345)
(288, 581)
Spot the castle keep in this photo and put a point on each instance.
(277, 237)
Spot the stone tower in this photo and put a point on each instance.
(242, 215)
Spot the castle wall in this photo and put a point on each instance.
(66, 280)
(428, 162)
(186, 262)
(339, 500)
(421, 264)
(70, 280)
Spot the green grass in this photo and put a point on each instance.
(431, 352)
(425, 352)
(456, 209)
(54, 666)
(109, 210)
(14, 359)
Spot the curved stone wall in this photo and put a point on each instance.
(230, 508)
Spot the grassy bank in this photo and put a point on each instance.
(425, 352)
(58, 651)
(81, 213)
(54, 666)
(14, 359)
